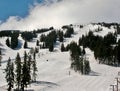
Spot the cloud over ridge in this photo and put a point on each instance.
(65, 12)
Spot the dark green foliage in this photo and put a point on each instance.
(102, 46)
(42, 30)
(75, 50)
(18, 71)
(83, 51)
(23, 72)
(34, 70)
(9, 74)
(87, 68)
(25, 44)
(78, 63)
(51, 47)
(60, 36)
(69, 32)
(0, 52)
(8, 42)
(36, 49)
(81, 26)
(14, 39)
(109, 39)
(26, 77)
(42, 38)
(49, 40)
(5, 33)
(0, 56)
(51, 28)
(37, 43)
(62, 47)
(34, 55)
(67, 47)
(28, 36)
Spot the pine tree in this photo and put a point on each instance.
(62, 48)
(0, 56)
(51, 47)
(9, 74)
(87, 66)
(25, 73)
(83, 51)
(0, 51)
(29, 66)
(25, 44)
(0, 59)
(37, 43)
(8, 42)
(34, 70)
(18, 71)
(34, 55)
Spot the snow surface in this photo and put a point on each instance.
(53, 75)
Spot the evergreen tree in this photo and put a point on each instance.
(87, 66)
(18, 71)
(0, 59)
(29, 61)
(0, 51)
(37, 43)
(9, 74)
(0, 56)
(60, 36)
(8, 42)
(25, 44)
(14, 39)
(25, 73)
(34, 70)
(62, 48)
(51, 47)
(83, 51)
(34, 55)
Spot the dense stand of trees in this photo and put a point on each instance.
(78, 62)
(105, 48)
(10, 75)
(24, 73)
(28, 36)
(7, 33)
(69, 31)
(49, 40)
(13, 43)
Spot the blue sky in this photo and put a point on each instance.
(15, 8)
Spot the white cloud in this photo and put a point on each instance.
(65, 12)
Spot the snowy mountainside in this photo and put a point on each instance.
(53, 75)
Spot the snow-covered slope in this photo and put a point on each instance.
(53, 75)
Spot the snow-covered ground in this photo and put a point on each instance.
(53, 75)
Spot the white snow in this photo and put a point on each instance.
(53, 75)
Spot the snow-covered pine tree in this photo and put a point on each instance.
(9, 74)
(18, 71)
